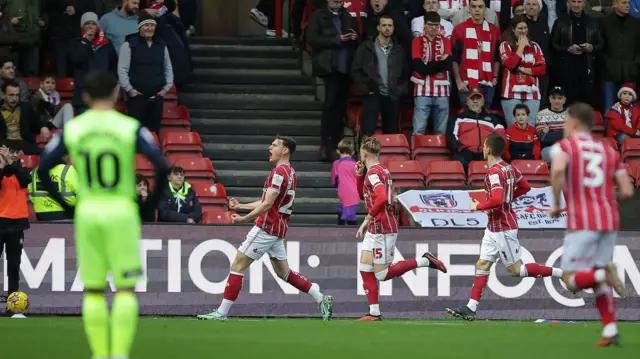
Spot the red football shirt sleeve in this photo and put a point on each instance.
(360, 186)
(278, 177)
(496, 193)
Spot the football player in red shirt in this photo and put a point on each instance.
(588, 171)
(271, 214)
(380, 229)
(502, 185)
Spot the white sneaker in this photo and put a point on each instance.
(18, 316)
(272, 33)
(259, 17)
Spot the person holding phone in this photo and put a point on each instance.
(577, 40)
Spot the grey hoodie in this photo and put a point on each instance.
(116, 27)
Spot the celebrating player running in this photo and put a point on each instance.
(502, 184)
(380, 229)
(103, 144)
(271, 214)
(588, 171)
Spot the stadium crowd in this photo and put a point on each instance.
(475, 67)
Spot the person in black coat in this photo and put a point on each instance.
(179, 202)
(92, 52)
(147, 213)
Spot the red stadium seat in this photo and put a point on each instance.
(182, 142)
(173, 157)
(598, 125)
(212, 196)
(175, 118)
(535, 171)
(477, 172)
(197, 168)
(427, 148)
(30, 162)
(631, 151)
(406, 173)
(121, 107)
(217, 217)
(144, 166)
(172, 95)
(445, 173)
(394, 148)
(65, 87)
(610, 141)
(33, 83)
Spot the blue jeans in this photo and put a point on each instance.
(509, 104)
(621, 137)
(423, 107)
(487, 91)
(610, 94)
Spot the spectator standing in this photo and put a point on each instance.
(552, 7)
(380, 70)
(624, 115)
(106, 6)
(577, 40)
(189, 14)
(46, 102)
(14, 214)
(22, 20)
(464, 13)
(522, 142)
(64, 16)
(179, 203)
(343, 176)
(333, 40)
(621, 50)
(417, 24)
(8, 72)
(402, 31)
(550, 121)
(523, 63)
(540, 33)
(476, 56)
(145, 74)
(431, 62)
(264, 15)
(147, 213)
(121, 22)
(449, 8)
(19, 123)
(46, 208)
(467, 131)
(93, 51)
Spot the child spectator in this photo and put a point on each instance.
(522, 142)
(179, 203)
(46, 102)
(343, 176)
(624, 115)
(142, 190)
(550, 121)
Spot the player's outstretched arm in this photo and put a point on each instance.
(263, 206)
(625, 188)
(48, 159)
(235, 205)
(559, 163)
(496, 200)
(522, 188)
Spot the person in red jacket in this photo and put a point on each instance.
(522, 141)
(624, 115)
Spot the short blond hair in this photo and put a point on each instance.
(371, 145)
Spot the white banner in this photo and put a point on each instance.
(447, 209)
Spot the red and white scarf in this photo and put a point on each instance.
(478, 54)
(435, 84)
(453, 4)
(99, 40)
(520, 83)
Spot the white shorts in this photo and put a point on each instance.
(382, 246)
(503, 246)
(259, 242)
(587, 249)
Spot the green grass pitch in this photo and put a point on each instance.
(185, 338)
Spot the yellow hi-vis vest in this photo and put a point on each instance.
(66, 178)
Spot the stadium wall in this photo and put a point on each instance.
(186, 269)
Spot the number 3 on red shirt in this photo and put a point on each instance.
(286, 208)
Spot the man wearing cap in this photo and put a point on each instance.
(92, 52)
(121, 22)
(63, 29)
(145, 73)
(550, 121)
(179, 202)
(467, 131)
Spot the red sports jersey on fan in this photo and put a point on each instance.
(590, 185)
(283, 180)
(505, 177)
(385, 221)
